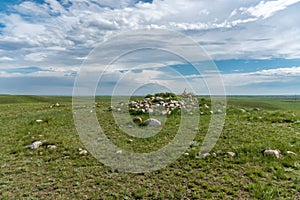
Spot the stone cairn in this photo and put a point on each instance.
(160, 104)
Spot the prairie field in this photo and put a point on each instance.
(252, 125)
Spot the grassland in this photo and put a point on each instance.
(62, 173)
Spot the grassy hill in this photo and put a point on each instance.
(62, 173)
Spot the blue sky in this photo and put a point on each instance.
(254, 44)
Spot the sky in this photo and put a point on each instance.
(252, 47)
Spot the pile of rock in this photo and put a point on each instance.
(157, 105)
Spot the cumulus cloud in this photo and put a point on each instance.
(266, 9)
(80, 25)
(63, 33)
(262, 76)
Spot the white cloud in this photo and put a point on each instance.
(266, 9)
(263, 76)
(280, 72)
(5, 58)
(36, 57)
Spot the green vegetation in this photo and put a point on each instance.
(62, 173)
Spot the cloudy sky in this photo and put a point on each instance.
(44, 44)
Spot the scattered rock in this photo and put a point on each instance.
(291, 152)
(219, 152)
(55, 105)
(83, 152)
(218, 112)
(186, 154)
(205, 155)
(137, 120)
(256, 109)
(152, 122)
(276, 153)
(38, 120)
(231, 154)
(243, 110)
(51, 146)
(119, 152)
(35, 145)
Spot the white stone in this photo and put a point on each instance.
(231, 154)
(83, 152)
(152, 122)
(159, 98)
(291, 152)
(205, 155)
(52, 147)
(218, 112)
(38, 120)
(119, 152)
(164, 112)
(276, 153)
(150, 110)
(35, 145)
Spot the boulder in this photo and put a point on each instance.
(152, 122)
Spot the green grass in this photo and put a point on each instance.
(64, 174)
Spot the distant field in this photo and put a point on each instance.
(253, 124)
(270, 103)
(9, 99)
